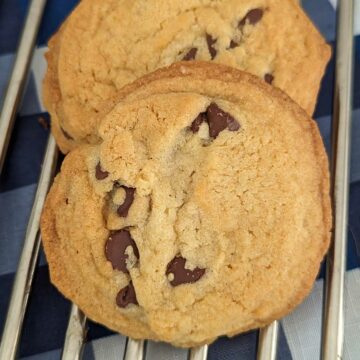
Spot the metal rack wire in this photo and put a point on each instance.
(333, 328)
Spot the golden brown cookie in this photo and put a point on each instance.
(203, 211)
(106, 44)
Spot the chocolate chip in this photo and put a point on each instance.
(269, 78)
(69, 137)
(190, 55)
(126, 296)
(176, 267)
(195, 125)
(115, 248)
(99, 173)
(219, 120)
(123, 209)
(252, 17)
(210, 42)
(233, 44)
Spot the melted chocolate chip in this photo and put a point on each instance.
(195, 125)
(269, 78)
(99, 173)
(252, 17)
(233, 44)
(176, 267)
(210, 42)
(190, 55)
(123, 209)
(67, 135)
(126, 296)
(219, 120)
(115, 248)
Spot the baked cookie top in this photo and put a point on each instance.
(106, 44)
(203, 211)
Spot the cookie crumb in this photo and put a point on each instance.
(43, 123)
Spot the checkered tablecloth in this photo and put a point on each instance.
(47, 315)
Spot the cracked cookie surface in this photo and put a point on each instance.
(203, 211)
(106, 44)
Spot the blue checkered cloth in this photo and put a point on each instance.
(46, 318)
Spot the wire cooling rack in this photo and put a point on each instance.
(333, 323)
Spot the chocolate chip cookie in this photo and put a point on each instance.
(106, 44)
(203, 211)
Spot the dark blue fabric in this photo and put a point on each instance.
(25, 153)
(323, 15)
(229, 349)
(12, 13)
(46, 318)
(354, 227)
(47, 315)
(12, 18)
